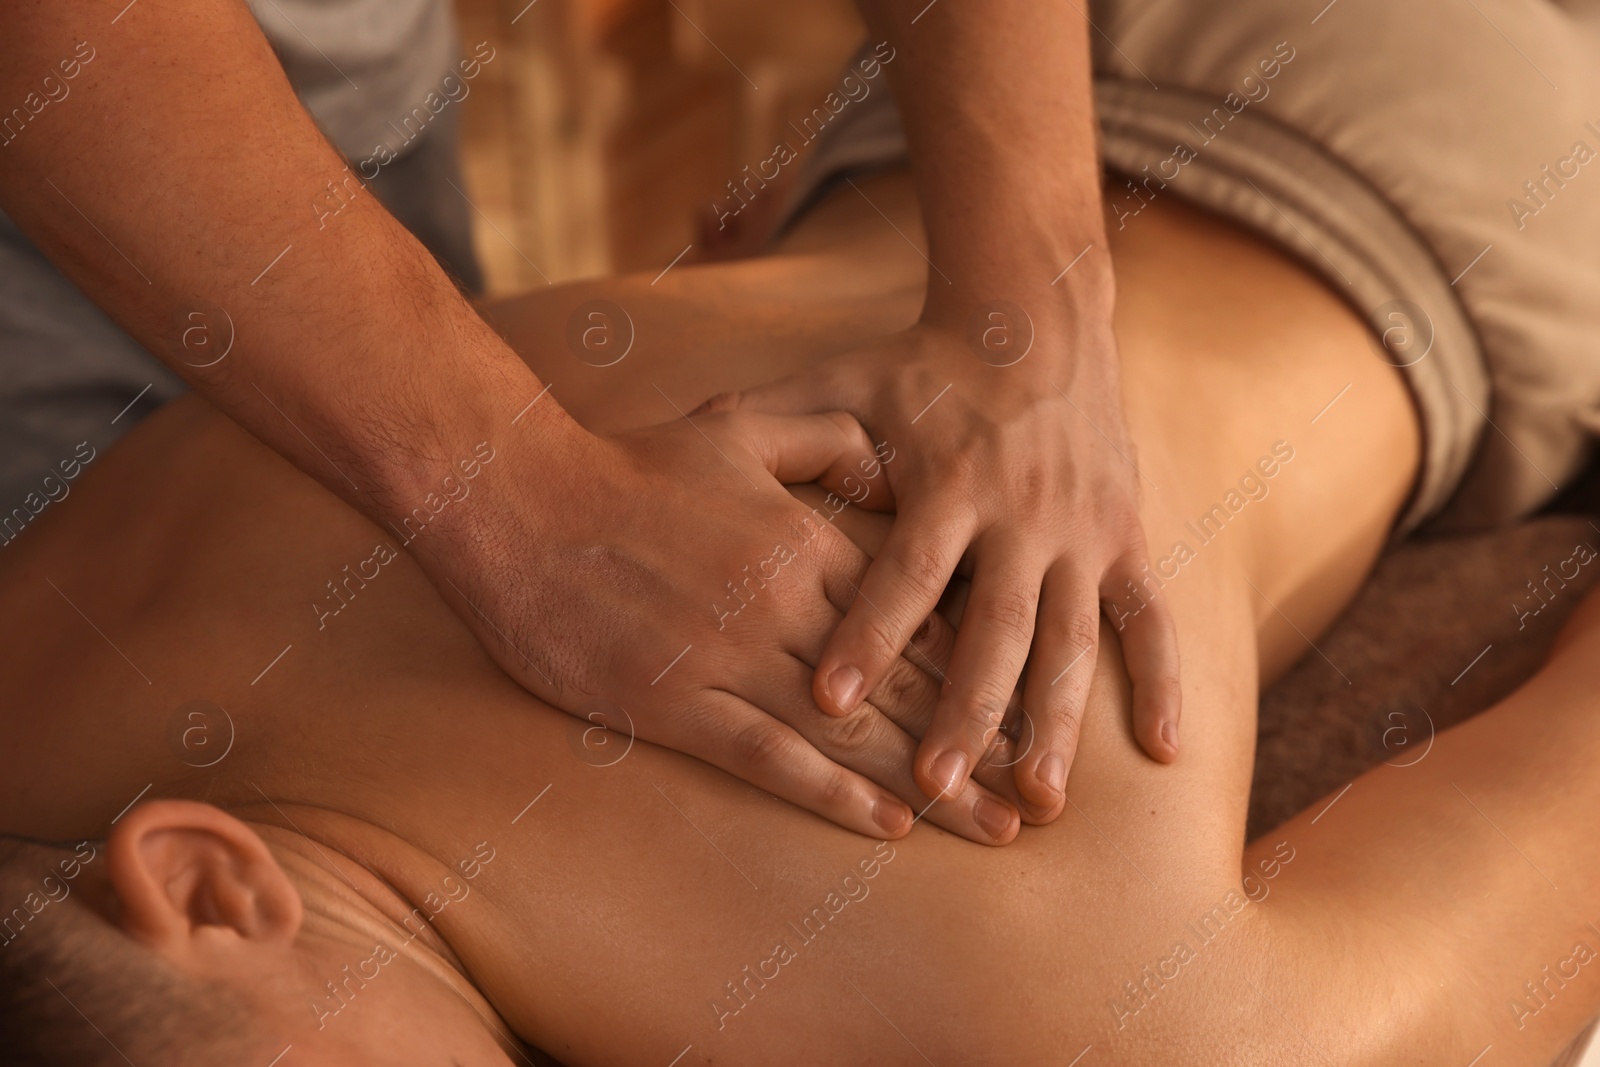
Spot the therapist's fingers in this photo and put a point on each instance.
(991, 649)
(1060, 668)
(867, 743)
(827, 447)
(867, 740)
(911, 681)
(1150, 648)
(930, 646)
(908, 696)
(910, 689)
(900, 590)
(752, 745)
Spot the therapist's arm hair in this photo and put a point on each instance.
(159, 157)
(997, 106)
(156, 153)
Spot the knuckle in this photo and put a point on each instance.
(853, 732)
(900, 688)
(1073, 693)
(836, 790)
(1081, 630)
(763, 746)
(923, 565)
(854, 435)
(1064, 719)
(1011, 609)
(1037, 482)
(1069, 719)
(980, 721)
(830, 546)
(721, 402)
(880, 640)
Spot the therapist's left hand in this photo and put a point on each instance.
(1011, 454)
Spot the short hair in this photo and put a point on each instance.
(75, 990)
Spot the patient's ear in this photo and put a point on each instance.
(192, 881)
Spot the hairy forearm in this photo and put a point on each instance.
(177, 180)
(998, 113)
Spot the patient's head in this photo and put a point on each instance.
(64, 960)
(182, 940)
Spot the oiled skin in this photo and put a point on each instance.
(620, 905)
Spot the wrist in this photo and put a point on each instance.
(492, 433)
(1049, 329)
(1052, 277)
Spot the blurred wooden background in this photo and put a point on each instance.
(602, 124)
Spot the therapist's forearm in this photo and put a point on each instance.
(178, 181)
(583, 559)
(996, 102)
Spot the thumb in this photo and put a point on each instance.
(831, 449)
(818, 389)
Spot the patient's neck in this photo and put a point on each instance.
(368, 951)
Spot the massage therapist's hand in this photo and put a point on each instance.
(1014, 457)
(341, 344)
(1011, 451)
(668, 573)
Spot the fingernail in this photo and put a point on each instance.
(949, 771)
(1169, 734)
(889, 814)
(1053, 772)
(844, 684)
(994, 818)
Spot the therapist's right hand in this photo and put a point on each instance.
(668, 573)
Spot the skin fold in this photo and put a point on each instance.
(634, 892)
